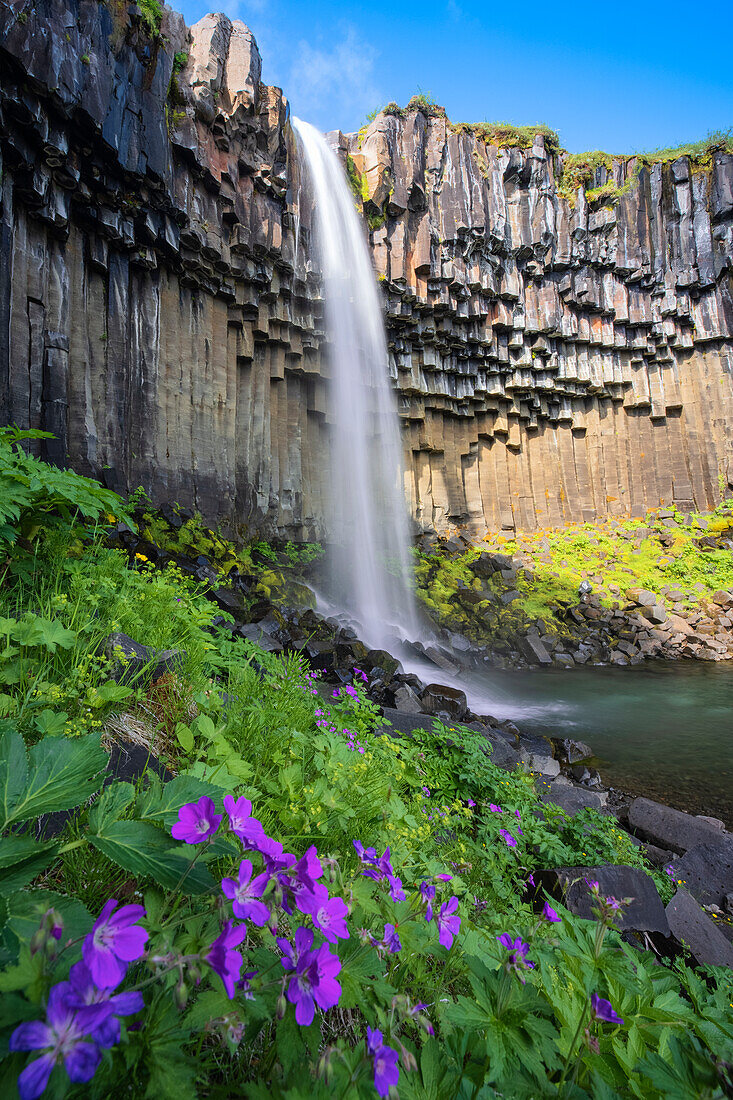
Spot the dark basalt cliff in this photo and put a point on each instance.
(159, 310)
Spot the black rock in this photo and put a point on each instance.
(693, 927)
(444, 702)
(707, 870)
(171, 516)
(670, 828)
(645, 913)
(132, 661)
(568, 798)
(571, 751)
(230, 601)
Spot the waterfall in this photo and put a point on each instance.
(371, 566)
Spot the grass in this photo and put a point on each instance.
(560, 560)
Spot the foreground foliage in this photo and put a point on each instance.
(309, 907)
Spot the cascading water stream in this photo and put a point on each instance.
(369, 517)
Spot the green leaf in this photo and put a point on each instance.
(63, 774)
(51, 722)
(109, 692)
(21, 859)
(147, 852)
(111, 804)
(184, 737)
(13, 772)
(32, 630)
(161, 802)
(26, 908)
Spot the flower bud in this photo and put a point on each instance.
(180, 994)
(55, 923)
(39, 941)
(282, 1007)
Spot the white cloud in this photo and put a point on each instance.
(334, 86)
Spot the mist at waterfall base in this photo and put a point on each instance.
(370, 563)
(658, 729)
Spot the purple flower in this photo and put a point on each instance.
(494, 808)
(196, 821)
(366, 855)
(510, 841)
(328, 914)
(114, 941)
(83, 993)
(470, 803)
(391, 939)
(62, 1038)
(603, 1010)
(448, 922)
(550, 915)
(444, 878)
(314, 976)
(385, 1058)
(517, 815)
(517, 960)
(244, 893)
(426, 792)
(223, 958)
(530, 880)
(395, 888)
(428, 893)
(241, 823)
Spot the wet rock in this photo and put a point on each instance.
(230, 601)
(669, 828)
(443, 701)
(252, 632)
(572, 751)
(691, 926)
(707, 870)
(379, 658)
(534, 651)
(407, 700)
(645, 913)
(132, 662)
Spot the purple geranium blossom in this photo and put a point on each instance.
(245, 892)
(241, 823)
(396, 891)
(530, 880)
(114, 941)
(550, 915)
(63, 1038)
(328, 914)
(507, 836)
(223, 958)
(197, 821)
(385, 1058)
(83, 993)
(314, 976)
(391, 939)
(428, 893)
(366, 855)
(517, 960)
(444, 877)
(470, 803)
(494, 808)
(448, 922)
(603, 1010)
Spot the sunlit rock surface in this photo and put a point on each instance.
(555, 361)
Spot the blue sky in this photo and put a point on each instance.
(621, 77)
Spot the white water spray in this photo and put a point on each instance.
(369, 515)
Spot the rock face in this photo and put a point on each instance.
(557, 359)
(159, 312)
(154, 314)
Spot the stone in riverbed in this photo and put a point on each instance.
(645, 913)
(669, 828)
(440, 700)
(693, 927)
(406, 700)
(572, 751)
(533, 650)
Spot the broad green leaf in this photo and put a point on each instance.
(110, 806)
(110, 692)
(62, 775)
(21, 859)
(147, 852)
(161, 802)
(13, 772)
(32, 630)
(51, 722)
